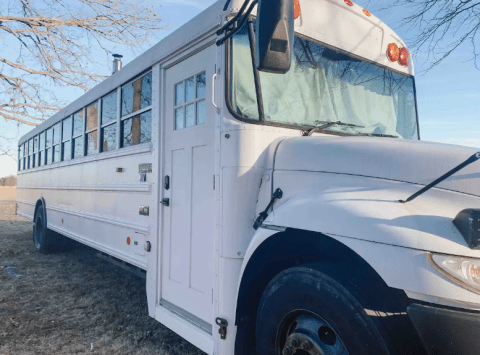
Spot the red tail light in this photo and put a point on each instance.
(403, 56)
(393, 52)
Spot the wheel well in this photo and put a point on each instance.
(40, 204)
(298, 247)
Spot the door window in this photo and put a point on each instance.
(190, 102)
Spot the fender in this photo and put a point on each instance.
(364, 216)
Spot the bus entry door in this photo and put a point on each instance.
(188, 229)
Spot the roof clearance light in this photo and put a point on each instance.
(348, 2)
(366, 12)
(297, 8)
(393, 52)
(403, 56)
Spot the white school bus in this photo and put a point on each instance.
(264, 167)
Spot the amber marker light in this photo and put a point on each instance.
(366, 12)
(393, 52)
(403, 56)
(348, 2)
(298, 10)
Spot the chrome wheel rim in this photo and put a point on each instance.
(305, 333)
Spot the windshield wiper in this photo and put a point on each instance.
(327, 124)
(376, 135)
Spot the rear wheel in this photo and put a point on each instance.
(41, 235)
(46, 240)
(305, 312)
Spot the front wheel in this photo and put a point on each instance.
(305, 312)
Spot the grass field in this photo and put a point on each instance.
(8, 193)
(72, 302)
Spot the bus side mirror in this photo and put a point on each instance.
(275, 35)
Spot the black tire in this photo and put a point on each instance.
(47, 241)
(304, 292)
(42, 236)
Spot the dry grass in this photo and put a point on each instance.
(67, 303)
(8, 193)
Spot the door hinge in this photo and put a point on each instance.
(223, 324)
(214, 182)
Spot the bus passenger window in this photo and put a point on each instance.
(41, 152)
(109, 122)
(48, 150)
(66, 139)
(35, 152)
(56, 143)
(137, 129)
(91, 129)
(78, 134)
(30, 153)
(137, 97)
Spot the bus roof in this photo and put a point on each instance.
(337, 23)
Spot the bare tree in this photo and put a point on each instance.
(442, 26)
(10, 180)
(6, 144)
(51, 42)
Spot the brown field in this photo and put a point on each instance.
(72, 302)
(8, 193)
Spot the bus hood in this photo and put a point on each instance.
(414, 162)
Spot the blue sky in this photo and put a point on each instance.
(448, 95)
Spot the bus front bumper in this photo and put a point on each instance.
(446, 331)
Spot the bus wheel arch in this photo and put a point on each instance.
(44, 239)
(292, 248)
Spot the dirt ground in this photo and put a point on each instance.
(73, 302)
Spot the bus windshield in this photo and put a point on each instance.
(325, 85)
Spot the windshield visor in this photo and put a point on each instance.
(324, 85)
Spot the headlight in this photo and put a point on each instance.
(464, 271)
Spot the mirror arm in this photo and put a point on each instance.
(256, 75)
(234, 18)
(240, 25)
(225, 8)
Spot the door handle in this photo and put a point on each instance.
(165, 202)
(166, 182)
(213, 92)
